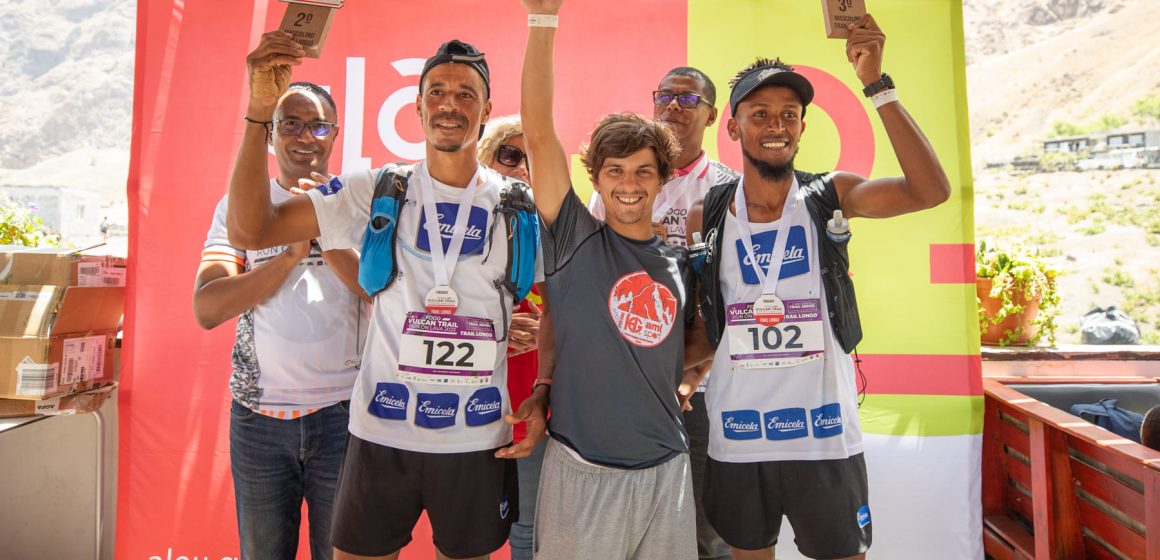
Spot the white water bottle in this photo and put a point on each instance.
(838, 228)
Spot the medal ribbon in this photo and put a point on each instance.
(768, 281)
(444, 263)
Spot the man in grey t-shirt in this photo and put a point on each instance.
(616, 481)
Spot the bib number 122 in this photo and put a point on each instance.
(771, 338)
(448, 350)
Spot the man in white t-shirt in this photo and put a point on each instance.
(776, 295)
(427, 407)
(299, 336)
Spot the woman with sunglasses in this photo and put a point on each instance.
(502, 149)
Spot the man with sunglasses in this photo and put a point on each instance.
(299, 336)
(426, 411)
(685, 101)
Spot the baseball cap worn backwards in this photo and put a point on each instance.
(770, 76)
(463, 53)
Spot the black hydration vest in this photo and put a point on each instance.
(821, 200)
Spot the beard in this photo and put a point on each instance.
(771, 171)
(453, 117)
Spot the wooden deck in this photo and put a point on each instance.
(1058, 487)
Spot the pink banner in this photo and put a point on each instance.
(175, 495)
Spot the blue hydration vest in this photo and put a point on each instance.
(377, 270)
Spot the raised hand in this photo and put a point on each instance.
(864, 49)
(269, 67)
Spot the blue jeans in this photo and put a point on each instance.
(278, 463)
(520, 538)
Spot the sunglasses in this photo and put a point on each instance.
(687, 100)
(293, 127)
(509, 155)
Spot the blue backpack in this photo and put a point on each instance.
(377, 271)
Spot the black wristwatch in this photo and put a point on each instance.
(883, 83)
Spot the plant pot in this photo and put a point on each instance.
(993, 334)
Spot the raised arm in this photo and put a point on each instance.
(549, 163)
(253, 222)
(923, 183)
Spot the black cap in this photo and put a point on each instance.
(770, 75)
(463, 53)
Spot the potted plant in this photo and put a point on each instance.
(1016, 294)
(19, 225)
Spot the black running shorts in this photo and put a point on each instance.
(826, 503)
(471, 499)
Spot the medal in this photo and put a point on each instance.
(443, 300)
(768, 310)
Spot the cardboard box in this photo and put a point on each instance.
(79, 403)
(840, 13)
(57, 340)
(59, 267)
(309, 22)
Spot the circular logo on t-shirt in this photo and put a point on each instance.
(644, 310)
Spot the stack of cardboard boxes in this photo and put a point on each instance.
(59, 316)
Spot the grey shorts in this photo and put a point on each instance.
(827, 503)
(590, 511)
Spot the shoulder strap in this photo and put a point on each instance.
(822, 200)
(716, 206)
(518, 211)
(376, 267)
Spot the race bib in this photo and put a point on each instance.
(447, 349)
(798, 338)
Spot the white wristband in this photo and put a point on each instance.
(885, 96)
(543, 20)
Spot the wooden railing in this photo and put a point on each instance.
(1057, 487)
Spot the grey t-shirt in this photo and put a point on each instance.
(618, 309)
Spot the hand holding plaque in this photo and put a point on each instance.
(864, 49)
(269, 68)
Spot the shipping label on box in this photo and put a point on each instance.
(96, 274)
(83, 359)
(35, 380)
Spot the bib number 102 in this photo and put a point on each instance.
(771, 338)
(447, 351)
